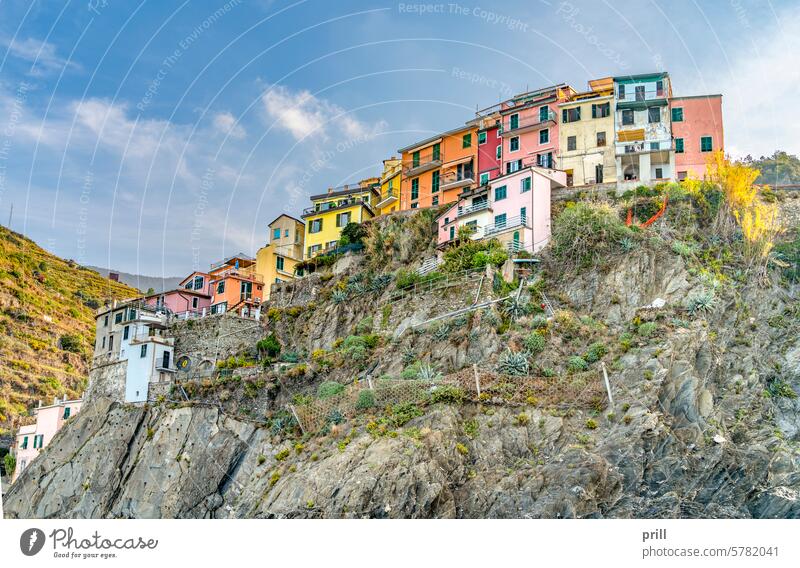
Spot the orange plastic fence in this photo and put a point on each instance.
(651, 220)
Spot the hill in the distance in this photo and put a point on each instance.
(143, 283)
(46, 324)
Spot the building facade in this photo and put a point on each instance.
(490, 148)
(390, 186)
(436, 170)
(235, 286)
(277, 261)
(513, 208)
(643, 142)
(586, 135)
(696, 131)
(32, 438)
(333, 210)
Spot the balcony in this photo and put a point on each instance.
(340, 204)
(421, 163)
(387, 199)
(508, 224)
(526, 124)
(243, 274)
(641, 147)
(474, 208)
(455, 180)
(147, 338)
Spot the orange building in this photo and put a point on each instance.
(435, 171)
(235, 286)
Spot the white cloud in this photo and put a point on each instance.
(226, 123)
(41, 54)
(303, 114)
(760, 90)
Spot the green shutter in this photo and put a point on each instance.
(435, 181)
(679, 145)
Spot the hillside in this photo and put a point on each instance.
(47, 324)
(496, 412)
(141, 282)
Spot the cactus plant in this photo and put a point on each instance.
(338, 296)
(428, 373)
(701, 302)
(513, 363)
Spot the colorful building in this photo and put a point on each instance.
(235, 286)
(436, 170)
(529, 128)
(32, 438)
(696, 132)
(390, 186)
(190, 299)
(586, 134)
(489, 148)
(513, 208)
(643, 142)
(333, 210)
(277, 261)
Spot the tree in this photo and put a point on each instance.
(10, 464)
(71, 342)
(352, 233)
(150, 291)
(779, 169)
(269, 346)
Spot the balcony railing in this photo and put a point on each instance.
(511, 223)
(340, 204)
(527, 123)
(474, 208)
(425, 161)
(453, 180)
(245, 274)
(389, 197)
(144, 338)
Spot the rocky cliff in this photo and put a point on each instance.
(705, 421)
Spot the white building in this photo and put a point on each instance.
(131, 350)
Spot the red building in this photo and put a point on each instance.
(489, 149)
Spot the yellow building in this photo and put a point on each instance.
(331, 211)
(276, 262)
(390, 186)
(586, 135)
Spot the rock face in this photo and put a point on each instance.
(699, 427)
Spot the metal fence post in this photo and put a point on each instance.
(477, 379)
(608, 385)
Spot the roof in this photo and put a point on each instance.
(284, 215)
(192, 275)
(640, 76)
(178, 291)
(434, 138)
(351, 191)
(696, 97)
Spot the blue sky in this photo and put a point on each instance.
(157, 137)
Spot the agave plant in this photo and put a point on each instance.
(441, 332)
(513, 363)
(357, 288)
(428, 373)
(339, 296)
(701, 302)
(514, 309)
(627, 244)
(380, 282)
(409, 355)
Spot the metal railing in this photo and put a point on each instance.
(474, 208)
(424, 161)
(499, 227)
(340, 204)
(535, 121)
(244, 274)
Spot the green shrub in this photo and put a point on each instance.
(366, 399)
(71, 342)
(521, 419)
(448, 394)
(576, 364)
(10, 464)
(591, 424)
(596, 352)
(780, 388)
(585, 233)
(534, 343)
(329, 389)
(404, 278)
(462, 449)
(626, 340)
(364, 326)
(701, 302)
(647, 329)
(539, 322)
(473, 254)
(402, 413)
(283, 454)
(269, 346)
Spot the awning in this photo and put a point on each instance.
(630, 135)
(458, 161)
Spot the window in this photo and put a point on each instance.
(544, 136)
(571, 114)
(484, 179)
(525, 184)
(513, 121)
(452, 232)
(601, 110)
(627, 117)
(435, 182)
(195, 303)
(677, 114)
(572, 142)
(118, 317)
(500, 220)
(659, 88)
(314, 249)
(659, 173)
(165, 360)
(276, 233)
(126, 332)
(25, 443)
(221, 287)
(105, 321)
(679, 145)
(38, 441)
(436, 152)
(342, 219)
(621, 92)
(279, 262)
(681, 176)
(414, 205)
(246, 289)
(640, 93)
(601, 138)
(523, 214)
(513, 166)
(466, 141)
(435, 200)
(198, 282)
(544, 113)
(654, 114)
(415, 159)
(705, 144)
(67, 410)
(500, 193)
(110, 342)
(481, 138)
(415, 188)
(104, 343)
(655, 146)
(316, 226)
(499, 151)
(143, 351)
(513, 144)
(545, 160)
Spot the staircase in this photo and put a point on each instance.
(429, 265)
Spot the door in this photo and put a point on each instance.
(247, 290)
(598, 173)
(165, 360)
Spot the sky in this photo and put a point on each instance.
(158, 137)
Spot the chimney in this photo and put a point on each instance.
(330, 190)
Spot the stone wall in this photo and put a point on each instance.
(106, 379)
(300, 292)
(205, 341)
(155, 390)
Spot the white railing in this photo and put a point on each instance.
(511, 223)
(474, 208)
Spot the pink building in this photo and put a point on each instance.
(529, 128)
(31, 438)
(696, 131)
(513, 208)
(192, 297)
